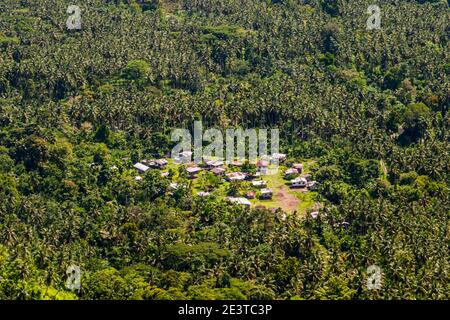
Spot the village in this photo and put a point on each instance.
(263, 185)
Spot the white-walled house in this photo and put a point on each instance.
(218, 171)
(160, 163)
(241, 201)
(312, 185)
(142, 168)
(214, 163)
(290, 171)
(192, 171)
(266, 194)
(236, 176)
(298, 182)
(259, 183)
(279, 156)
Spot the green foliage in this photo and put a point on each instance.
(417, 117)
(222, 32)
(5, 41)
(192, 257)
(331, 7)
(137, 71)
(101, 154)
(369, 110)
(103, 134)
(153, 186)
(362, 171)
(335, 288)
(408, 178)
(6, 162)
(105, 284)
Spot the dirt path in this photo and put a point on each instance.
(287, 201)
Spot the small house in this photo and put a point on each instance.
(279, 157)
(235, 176)
(174, 186)
(159, 164)
(311, 185)
(250, 195)
(266, 194)
(203, 194)
(249, 176)
(298, 167)
(138, 178)
(241, 201)
(192, 171)
(218, 171)
(214, 163)
(142, 168)
(290, 171)
(298, 183)
(259, 183)
(236, 164)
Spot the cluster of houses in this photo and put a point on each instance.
(145, 165)
(217, 167)
(301, 180)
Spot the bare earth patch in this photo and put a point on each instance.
(288, 202)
